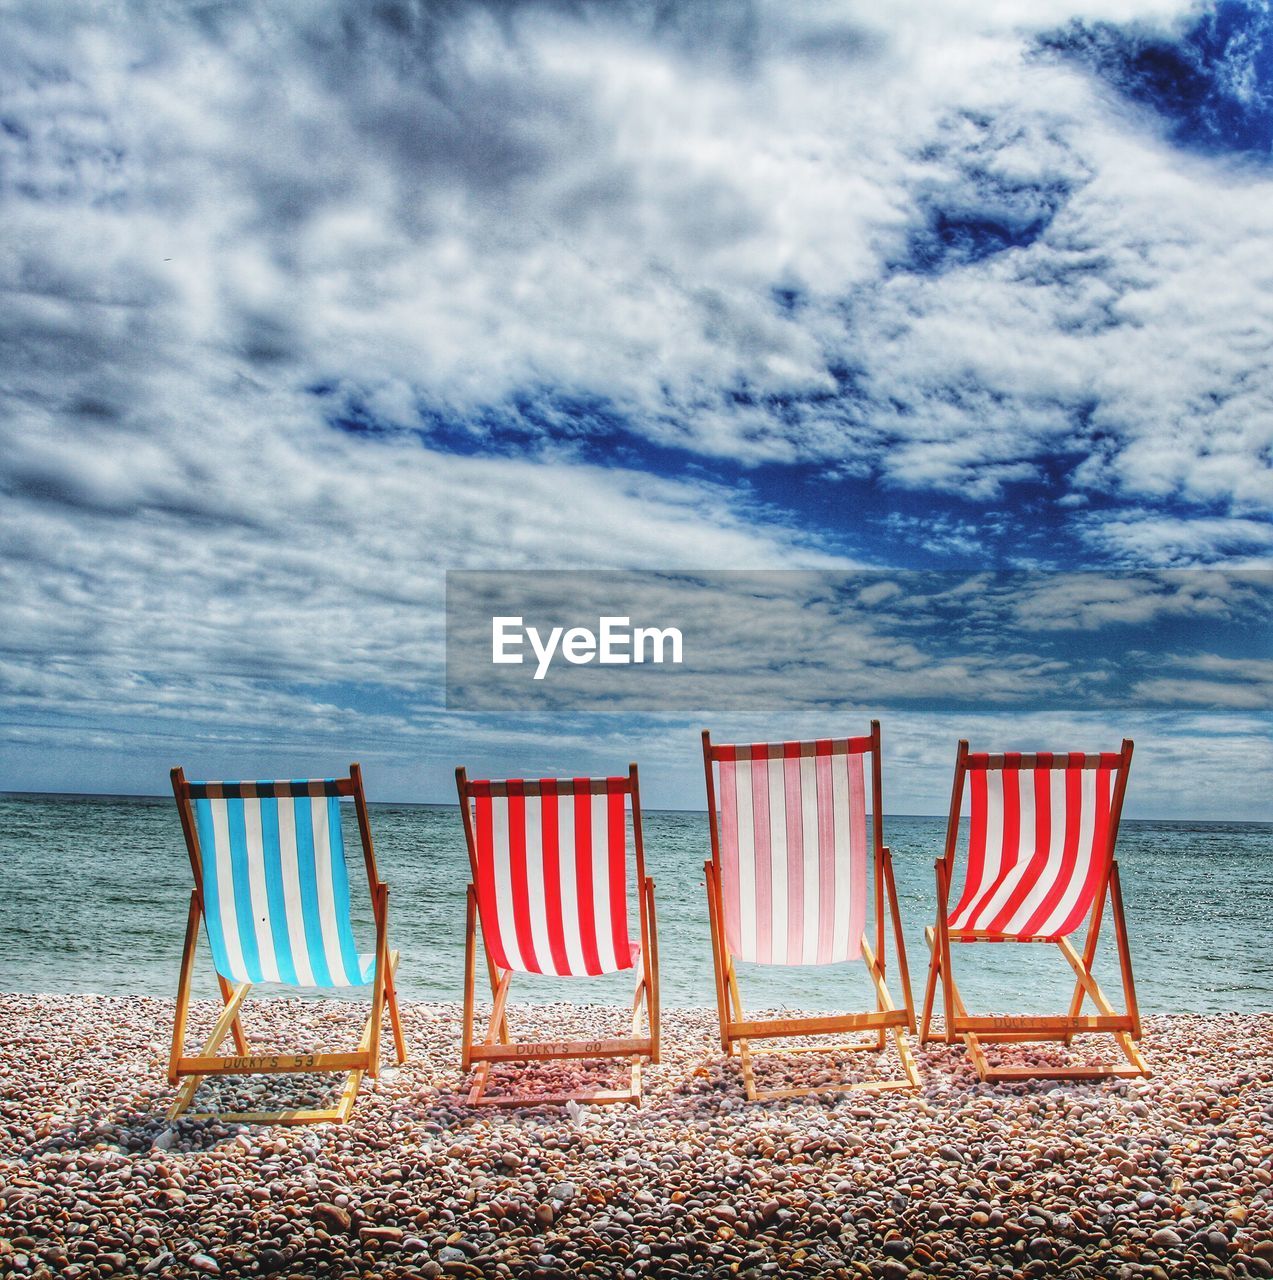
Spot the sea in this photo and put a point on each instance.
(94, 893)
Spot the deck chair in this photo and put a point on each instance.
(1040, 861)
(549, 861)
(787, 884)
(272, 891)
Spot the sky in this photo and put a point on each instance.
(303, 306)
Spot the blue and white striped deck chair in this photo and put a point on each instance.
(272, 891)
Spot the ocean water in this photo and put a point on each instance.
(94, 890)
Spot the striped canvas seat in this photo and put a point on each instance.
(275, 884)
(551, 874)
(793, 849)
(1038, 842)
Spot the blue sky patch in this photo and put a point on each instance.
(1211, 82)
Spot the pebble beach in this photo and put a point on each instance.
(1167, 1176)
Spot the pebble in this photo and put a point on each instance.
(333, 1216)
(1166, 1177)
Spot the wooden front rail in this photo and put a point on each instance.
(272, 1063)
(828, 1025)
(1015, 1022)
(615, 1048)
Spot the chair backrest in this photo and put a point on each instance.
(549, 858)
(790, 845)
(1041, 834)
(269, 860)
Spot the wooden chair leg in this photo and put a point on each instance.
(493, 1036)
(744, 1045)
(877, 874)
(183, 988)
(470, 965)
(876, 970)
(930, 990)
(1124, 951)
(395, 1018)
(908, 1058)
(899, 941)
(882, 1035)
(493, 974)
(389, 996)
(1089, 946)
(640, 999)
(367, 1045)
(736, 996)
(955, 1002)
(241, 1045)
(943, 939)
(652, 972)
(378, 991)
(718, 963)
(979, 1060)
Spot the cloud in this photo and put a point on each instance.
(1090, 601)
(1216, 681)
(945, 535)
(951, 265)
(1207, 693)
(1145, 537)
(301, 308)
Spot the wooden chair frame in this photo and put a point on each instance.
(189, 1071)
(498, 1045)
(977, 1032)
(737, 1031)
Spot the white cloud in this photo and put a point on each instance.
(1089, 601)
(207, 212)
(1215, 681)
(1145, 537)
(1206, 693)
(458, 209)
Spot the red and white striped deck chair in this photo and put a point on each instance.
(549, 859)
(1040, 862)
(788, 884)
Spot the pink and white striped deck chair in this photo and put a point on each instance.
(1040, 861)
(787, 884)
(550, 859)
